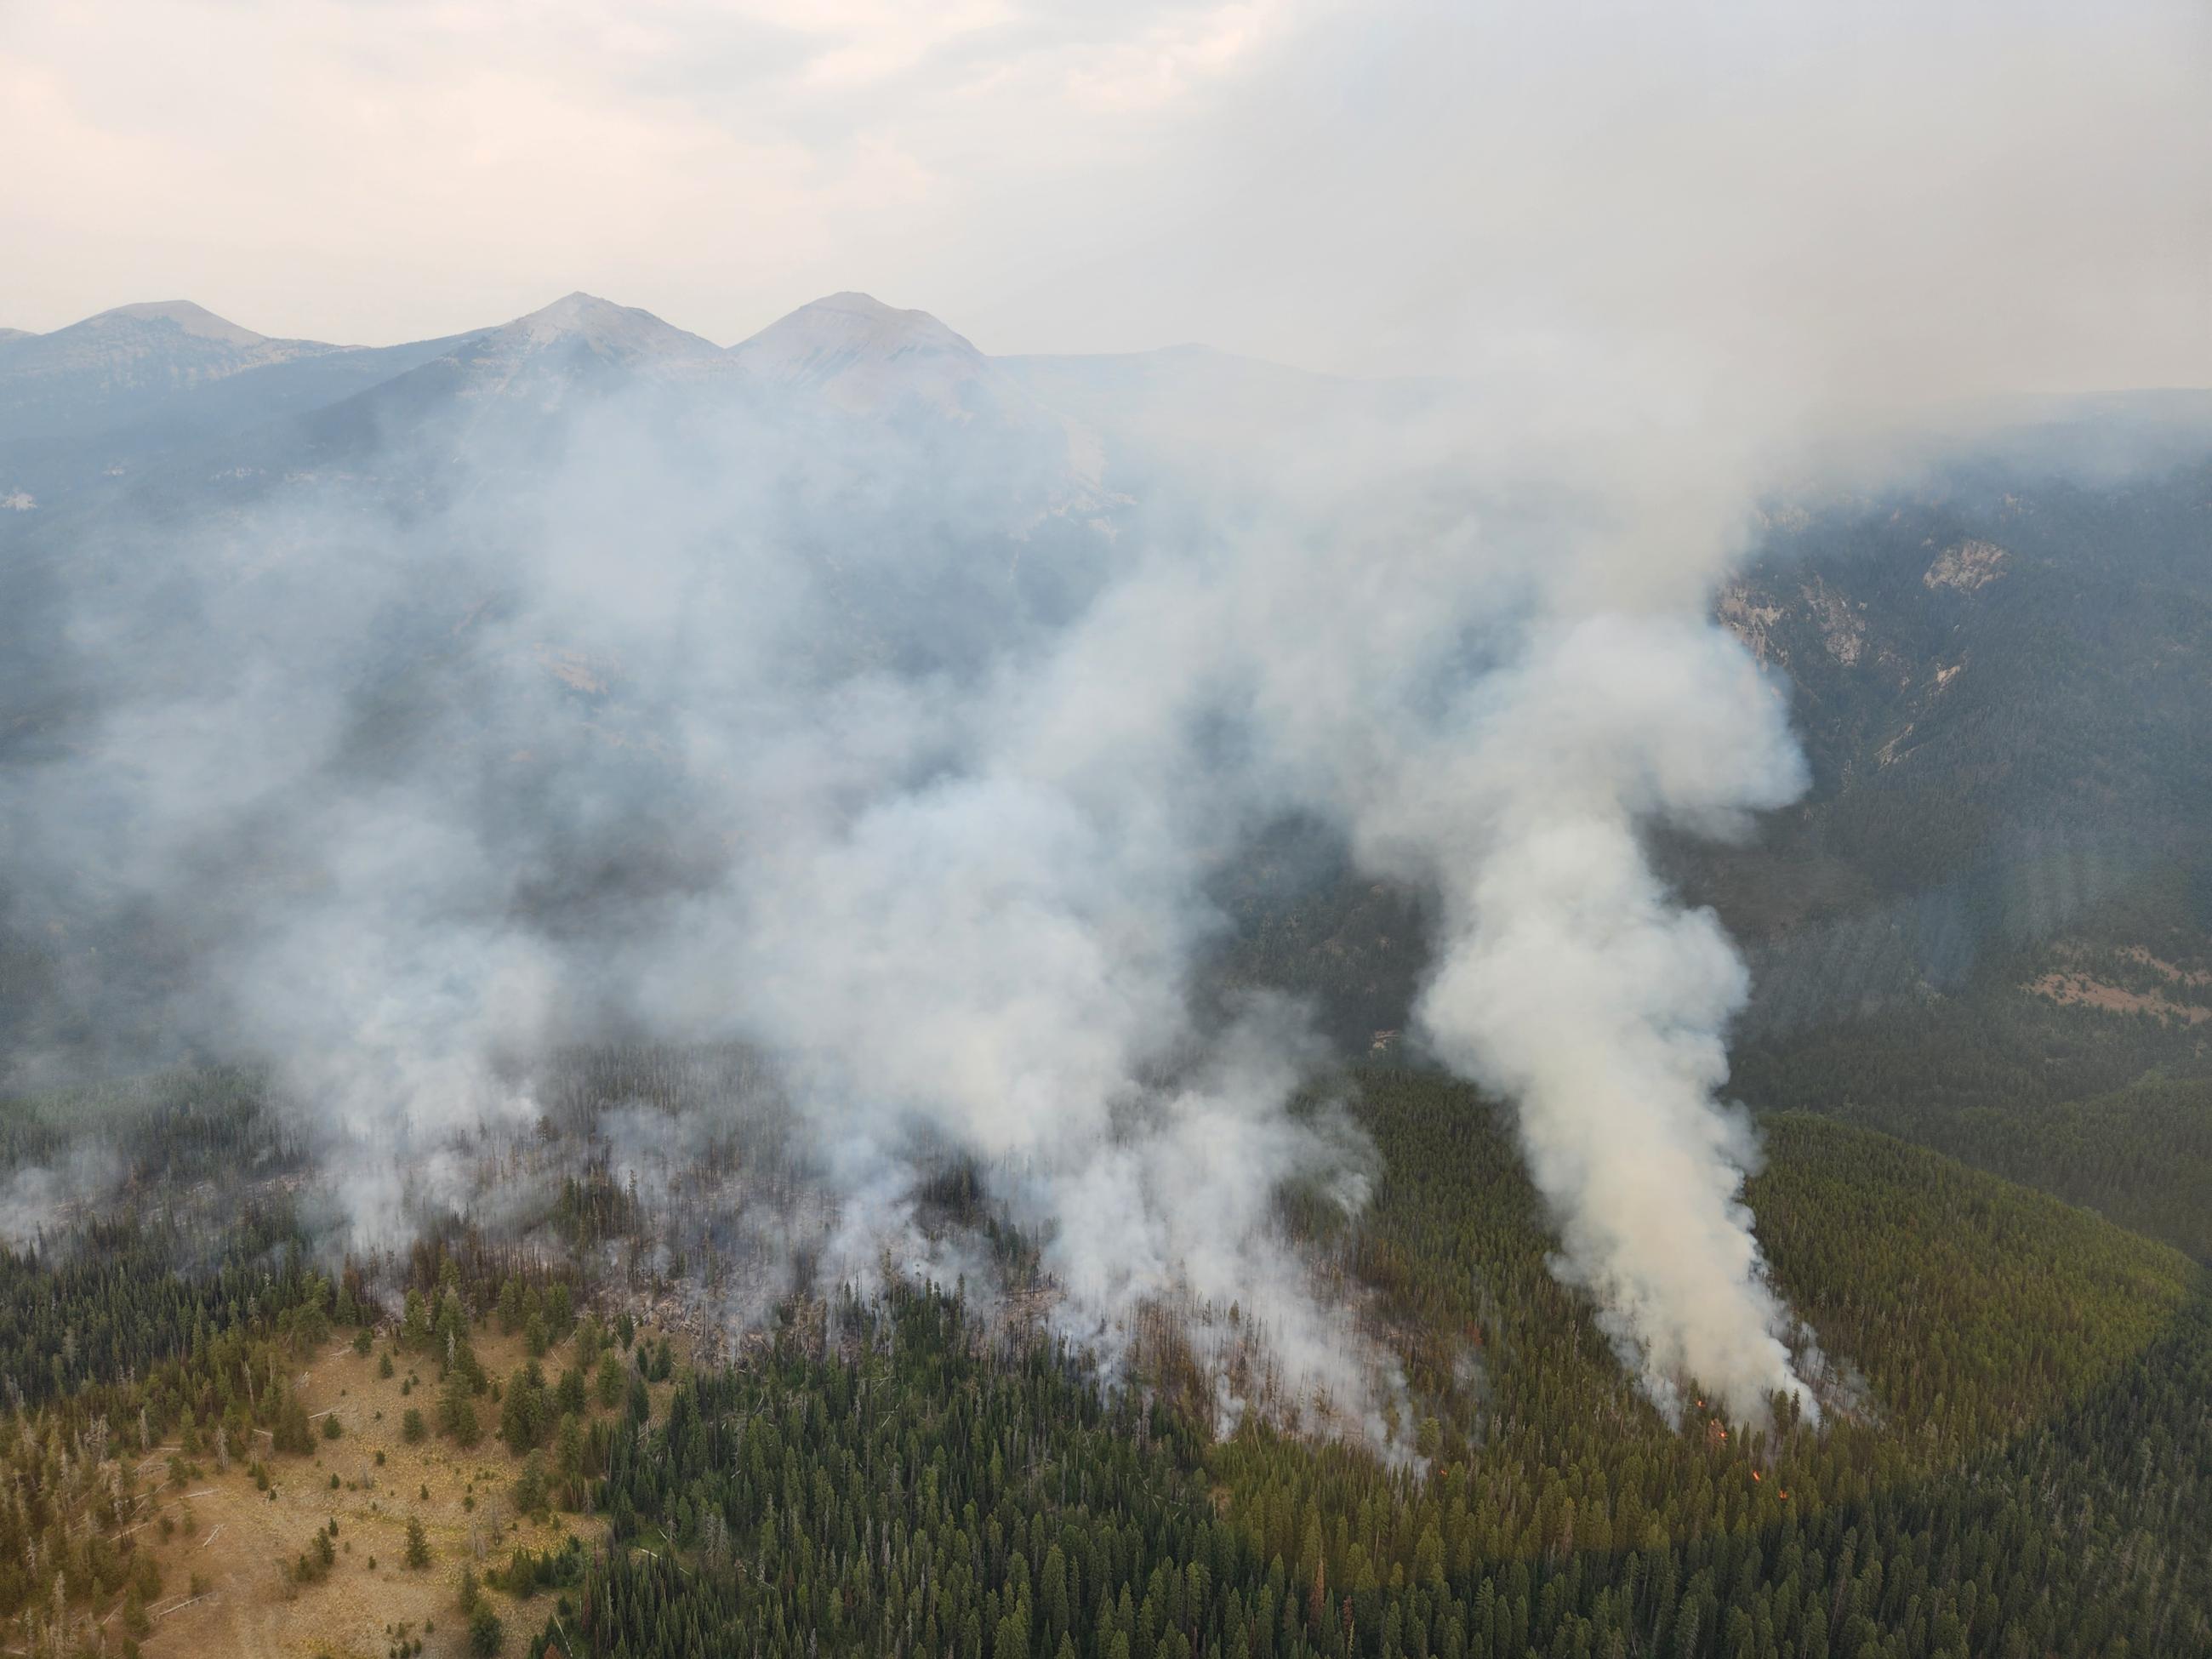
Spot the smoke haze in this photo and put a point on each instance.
(421, 770)
(591, 682)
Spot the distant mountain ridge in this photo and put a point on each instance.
(161, 340)
(97, 399)
(72, 379)
(196, 320)
(94, 401)
(91, 403)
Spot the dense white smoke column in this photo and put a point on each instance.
(1569, 980)
(1492, 661)
(997, 949)
(989, 955)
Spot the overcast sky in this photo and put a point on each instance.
(1946, 198)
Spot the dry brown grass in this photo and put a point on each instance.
(240, 1539)
(2082, 991)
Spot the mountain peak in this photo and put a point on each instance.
(85, 376)
(620, 333)
(857, 303)
(861, 354)
(193, 320)
(864, 323)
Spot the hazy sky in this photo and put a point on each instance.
(1950, 197)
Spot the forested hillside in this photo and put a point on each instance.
(2021, 1467)
(2093, 1107)
(2012, 1457)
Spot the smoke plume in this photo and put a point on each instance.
(1570, 981)
(589, 684)
(639, 718)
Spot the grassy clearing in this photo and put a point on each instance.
(223, 1560)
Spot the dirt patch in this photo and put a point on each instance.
(1753, 623)
(2080, 990)
(1843, 630)
(236, 1539)
(576, 670)
(1970, 565)
(2167, 971)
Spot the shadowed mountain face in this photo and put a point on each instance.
(1997, 677)
(1997, 674)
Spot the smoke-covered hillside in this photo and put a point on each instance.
(1050, 719)
(908, 870)
(1993, 905)
(899, 715)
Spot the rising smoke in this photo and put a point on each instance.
(541, 702)
(918, 788)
